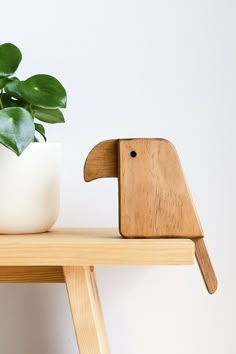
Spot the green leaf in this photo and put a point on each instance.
(10, 58)
(41, 130)
(44, 91)
(7, 101)
(48, 115)
(13, 88)
(16, 129)
(3, 82)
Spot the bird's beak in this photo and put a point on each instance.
(102, 161)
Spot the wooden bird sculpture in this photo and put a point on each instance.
(154, 199)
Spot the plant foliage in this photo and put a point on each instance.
(39, 97)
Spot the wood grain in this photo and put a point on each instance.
(86, 310)
(205, 265)
(154, 200)
(102, 161)
(96, 246)
(31, 274)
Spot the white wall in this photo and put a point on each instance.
(154, 68)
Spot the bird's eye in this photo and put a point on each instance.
(133, 153)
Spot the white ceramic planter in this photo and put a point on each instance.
(29, 188)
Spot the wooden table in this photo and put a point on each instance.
(70, 254)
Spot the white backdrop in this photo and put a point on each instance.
(153, 68)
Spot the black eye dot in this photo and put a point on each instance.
(133, 153)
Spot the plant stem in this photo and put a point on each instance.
(1, 105)
(31, 110)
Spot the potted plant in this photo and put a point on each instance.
(30, 170)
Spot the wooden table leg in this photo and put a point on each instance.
(86, 310)
(205, 265)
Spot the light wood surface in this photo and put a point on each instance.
(91, 246)
(205, 265)
(154, 200)
(102, 161)
(86, 310)
(25, 274)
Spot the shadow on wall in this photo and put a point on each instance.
(33, 319)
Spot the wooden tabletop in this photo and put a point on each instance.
(91, 246)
